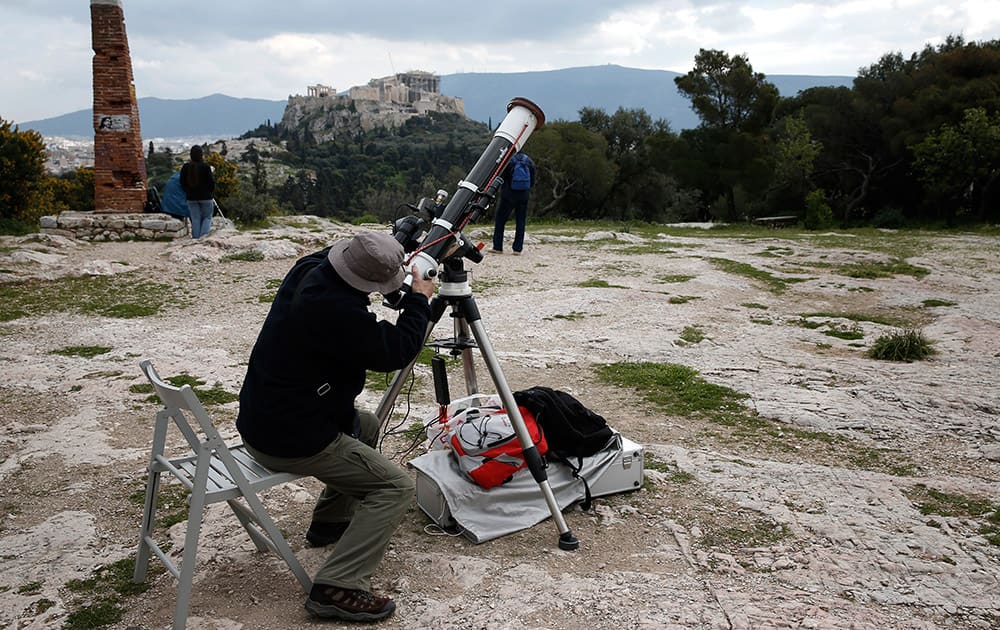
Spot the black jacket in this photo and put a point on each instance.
(197, 181)
(309, 362)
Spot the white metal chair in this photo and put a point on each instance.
(212, 472)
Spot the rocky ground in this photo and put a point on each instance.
(859, 497)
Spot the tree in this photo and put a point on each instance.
(258, 176)
(735, 105)
(22, 172)
(960, 164)
(226, 181)
(160, 165)
(794, 155)
(639, 188)
(911, 98)
(726, 93)
(72, 191)
(573, 169)
(855, 161)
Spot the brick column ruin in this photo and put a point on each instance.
(119, 167)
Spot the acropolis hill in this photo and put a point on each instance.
(387, 102)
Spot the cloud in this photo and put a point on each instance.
(267, 49)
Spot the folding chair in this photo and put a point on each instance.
(212, 472)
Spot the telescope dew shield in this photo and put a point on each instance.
(523, 117)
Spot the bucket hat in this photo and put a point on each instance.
(369, 262)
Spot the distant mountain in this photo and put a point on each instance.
(560, 94)
(217, 115)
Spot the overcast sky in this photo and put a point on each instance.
(251, 48)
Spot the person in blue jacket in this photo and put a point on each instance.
(518, 179)
(297, 407)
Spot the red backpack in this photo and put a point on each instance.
(487, 447)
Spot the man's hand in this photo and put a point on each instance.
(420, 285)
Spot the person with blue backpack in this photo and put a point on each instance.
(518, 178)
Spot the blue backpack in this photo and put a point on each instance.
(520, 178)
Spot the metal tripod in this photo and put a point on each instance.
(456, 292)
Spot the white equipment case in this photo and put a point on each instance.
(625, 473)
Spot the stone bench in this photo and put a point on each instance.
(776, 222)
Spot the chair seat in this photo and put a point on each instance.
(220, 485)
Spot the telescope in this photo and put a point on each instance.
(444, 245)
(444, 239)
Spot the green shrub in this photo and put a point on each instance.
(904, 345)
(246, 208)
(889, 218)
(819, 215)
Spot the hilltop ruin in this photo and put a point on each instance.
(387, 102)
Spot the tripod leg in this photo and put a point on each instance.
(468, 367)
(567, 541)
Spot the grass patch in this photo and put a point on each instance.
(775, 252)
(654, 248)
(904, 345)
(682, 299)
(98, 600)
(488, 286)
(932, 501)
(673, 474)
(774, 284)
(675, 389)
(674, 278)
(861, 317)
(595, 283)
(208, 397)
(692, 335)
(426, 356)
(124, 296)
(86, 352)
(932, 303)
(679, 390)
(246, 255)
(171, 503)
(649, 462)
(377, 381)
(571, 316)
(762, 307)
(844, 332)
(31, 588)
(751, 530)
(991, 530)
(273, 284)
(872, 270)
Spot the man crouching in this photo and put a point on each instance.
(297, 410)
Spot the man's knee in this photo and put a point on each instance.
(368, 425)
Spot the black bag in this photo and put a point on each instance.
(570, 428)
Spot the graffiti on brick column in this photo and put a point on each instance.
(121, 122)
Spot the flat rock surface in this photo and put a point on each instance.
(808, 517)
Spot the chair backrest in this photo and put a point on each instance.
(178, 402)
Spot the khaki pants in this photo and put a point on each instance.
(363, 487)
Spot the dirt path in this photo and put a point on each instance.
(811, 519)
